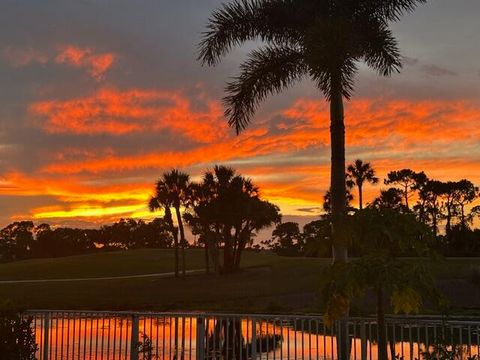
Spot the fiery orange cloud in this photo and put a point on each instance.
(78, 198)
(395, 129)
(391, 134)
(397, 122)
(71, 188)
(84, 57)
(120, 112)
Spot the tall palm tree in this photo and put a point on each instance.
(178, 185)
(172, 190)
(322, 39)
(357, 174)
(161, 200)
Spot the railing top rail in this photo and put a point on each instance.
(318, 317)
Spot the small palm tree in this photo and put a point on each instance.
(161, 201)
(357, 174)
(178, 185)
(321, 39)
(173, 190)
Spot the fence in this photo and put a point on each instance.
(146, 336)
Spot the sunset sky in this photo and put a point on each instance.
(99, 97)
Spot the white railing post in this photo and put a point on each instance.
(46, 335)
(200, 340)
(134, 339)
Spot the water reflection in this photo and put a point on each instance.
(104, 337)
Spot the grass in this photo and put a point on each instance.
(118, 263)
(267, 283)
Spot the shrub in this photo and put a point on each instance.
(17, 339)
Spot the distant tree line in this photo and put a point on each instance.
(24, 240)
(446, 207)
(225, 211)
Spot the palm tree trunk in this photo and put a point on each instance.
(338, 200)
(406, 197)
(227, 251)
(360, 197)
(382, 336)
(337, 181)
(168, 218)
(182, 237)
(448, 226)
(207, 256)
(434, 219)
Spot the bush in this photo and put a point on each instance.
(17, 339)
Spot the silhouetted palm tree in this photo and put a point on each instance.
(161, 200)
(178, 187)
(228, 211)
(322, 39)
(357, 174)
(172, 190)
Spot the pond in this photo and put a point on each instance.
(124, 336)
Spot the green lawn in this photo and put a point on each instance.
(267, 283)
(118, 263)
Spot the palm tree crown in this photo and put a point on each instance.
(173, 190)
(357, 174)
(323, 39)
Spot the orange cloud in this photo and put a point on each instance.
(440, 138)
(20, 57)
(78, 198)
(119, 112)
(393, 122)
(84, 57)
(397, 129)
(96, 64)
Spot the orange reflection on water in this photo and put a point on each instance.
(170, 337)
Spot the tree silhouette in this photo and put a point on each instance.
(17, 334)
(16, 240)
(229, 210)
(172, 190)
(161, 201)
(448, 193)
(390, 198)
(317, 238)
(327, 202)
(465, 193)
(408, 181)
(474, 212)
(286, 239)
(357, 174)
(429, 206)
(322, 39)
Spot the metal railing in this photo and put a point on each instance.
(146, 336)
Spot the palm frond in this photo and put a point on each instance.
(323, 74)
(153, 204)
(243, 20)
(268, 70)
(380, 49)
(392, 10)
